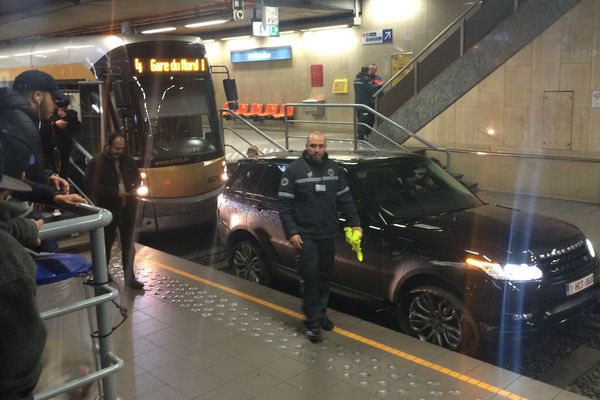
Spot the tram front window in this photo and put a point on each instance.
(176, 115)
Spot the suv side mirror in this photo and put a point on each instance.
(231, 93)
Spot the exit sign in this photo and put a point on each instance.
(265, 30)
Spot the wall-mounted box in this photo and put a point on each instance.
(314, 111)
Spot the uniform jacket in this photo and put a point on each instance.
(364, 90)
(23, 333)
(102, 181)
(309, 211)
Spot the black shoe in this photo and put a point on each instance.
(327, 324)
(135, 284)
(313, 334)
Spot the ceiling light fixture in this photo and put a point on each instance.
(206, 23)
(236, 37)
(328, 27)
(286, 32)
(208, 40)
(159, 30)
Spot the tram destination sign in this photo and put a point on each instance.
(169, 65)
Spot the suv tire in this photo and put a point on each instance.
(247, 262)
(435, 315)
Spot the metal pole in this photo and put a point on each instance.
(355, 124)
(100, 271)
(285, 125)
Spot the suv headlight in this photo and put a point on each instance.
(590, 247)
(509, 272)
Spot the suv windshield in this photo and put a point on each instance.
(176, 112)
(412, 188)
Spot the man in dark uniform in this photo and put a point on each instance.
(311, 191)
(364, 89)
(111, 179)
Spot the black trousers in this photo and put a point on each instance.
(367, 119)
(124, 220)
(65, 146)
(315, 265)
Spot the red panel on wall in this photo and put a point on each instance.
(316, 75)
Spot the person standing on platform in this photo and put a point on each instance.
(111, 179)
(22, 108)
(364, 90)
(375, 79)
(65, 126)
(311, 191)
(252, 152)
(23, 332)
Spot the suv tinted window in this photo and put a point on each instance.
(246, 178)
(412, 188)
(269, 182)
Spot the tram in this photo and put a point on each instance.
(158, 91)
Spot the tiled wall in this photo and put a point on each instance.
(538, 103)
(340, 52)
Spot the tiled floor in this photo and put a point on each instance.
(198, 333)
(187, 339)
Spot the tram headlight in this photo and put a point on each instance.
(142, 191)
(225, 175)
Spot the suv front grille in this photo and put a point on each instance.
(566, 263)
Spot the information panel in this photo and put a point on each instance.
(261, 54)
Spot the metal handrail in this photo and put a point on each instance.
(378, 115)
(236, 150)
(251, 126)
(94, 220)
(428, 46)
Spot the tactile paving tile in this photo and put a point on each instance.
(369, 370)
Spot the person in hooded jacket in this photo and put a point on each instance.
(23, 332)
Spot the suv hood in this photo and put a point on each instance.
(494, 231)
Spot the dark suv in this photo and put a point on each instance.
(459, 271)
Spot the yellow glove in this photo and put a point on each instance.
(353, 238)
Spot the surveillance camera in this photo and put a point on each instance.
(238, 15)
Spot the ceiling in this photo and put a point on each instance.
(28, 18)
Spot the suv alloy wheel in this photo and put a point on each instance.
(437, 316)
(247, 262)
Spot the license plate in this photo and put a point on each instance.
(580, 284)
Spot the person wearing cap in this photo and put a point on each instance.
(22, 108)
(23, 335)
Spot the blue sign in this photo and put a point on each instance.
(388, 37)
(262, 54)
(377, 37)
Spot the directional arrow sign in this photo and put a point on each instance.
(388, 37)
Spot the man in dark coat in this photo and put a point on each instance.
(111, 179)
(364, 89)
(21, 109)
(311, 191)
(23, 332)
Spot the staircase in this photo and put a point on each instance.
(467, 51)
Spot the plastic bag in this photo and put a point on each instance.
(68, 353)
